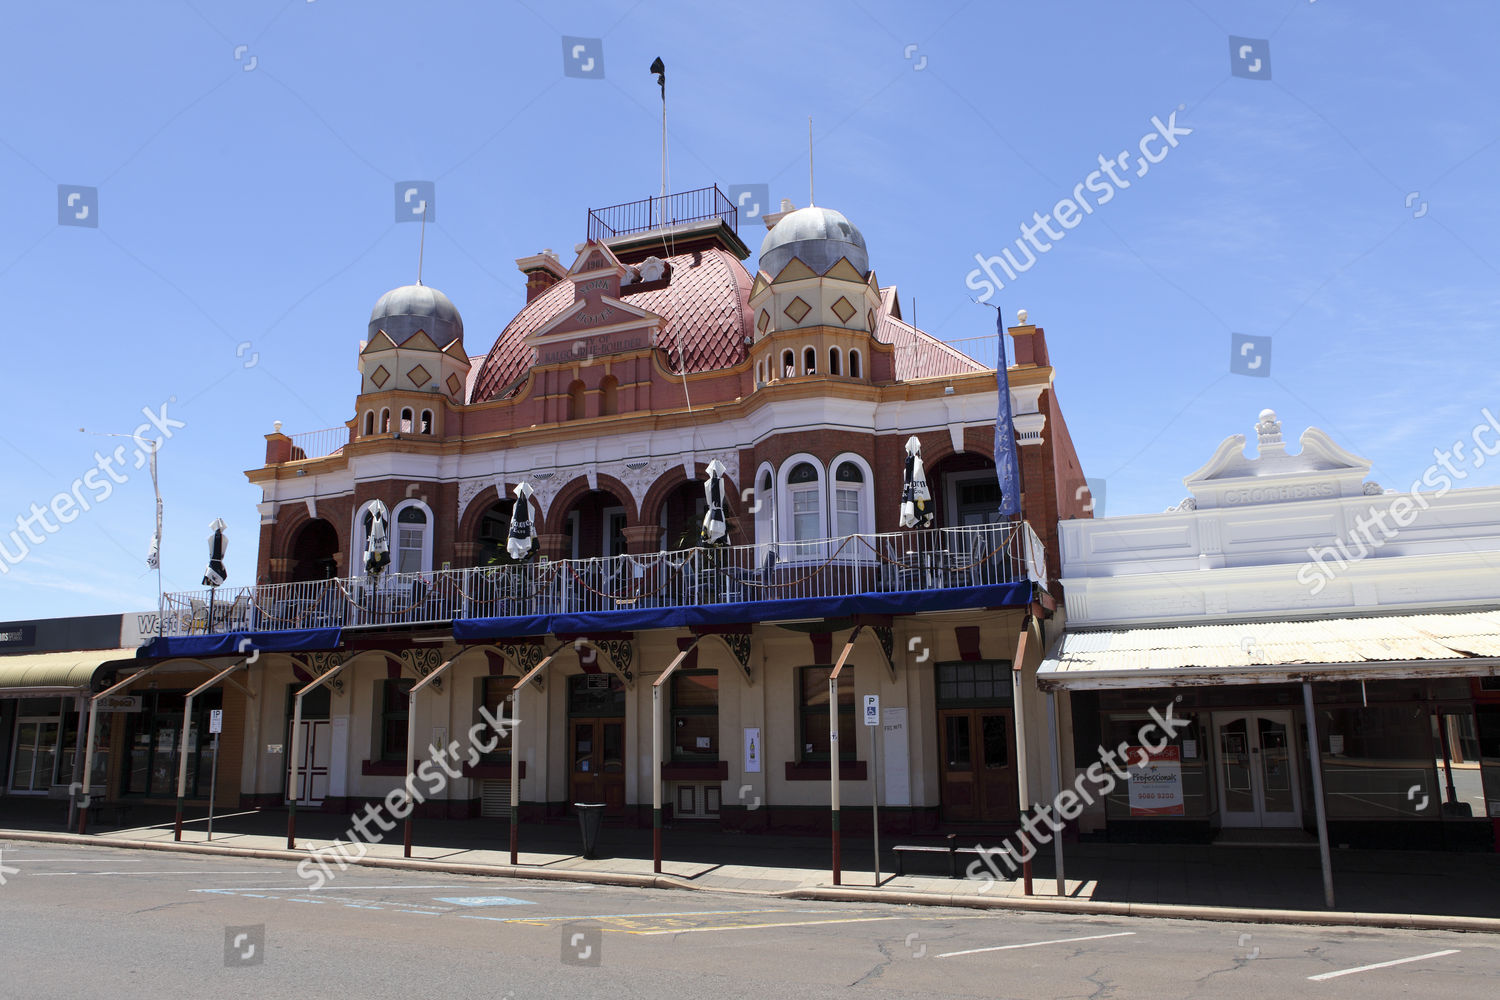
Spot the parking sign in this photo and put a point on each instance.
(872, 709)
(216, 721)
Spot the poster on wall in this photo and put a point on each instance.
(1155, 781)
(752, 749)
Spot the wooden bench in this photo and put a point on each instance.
(98, 807)
(902, 850)
(951, 851)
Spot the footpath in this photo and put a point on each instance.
(1250, 883)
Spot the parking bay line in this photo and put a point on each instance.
(1382, 965)
(1036, 944)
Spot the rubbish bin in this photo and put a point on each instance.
(590, 815)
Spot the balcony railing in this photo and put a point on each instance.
(657, 213)
(319, 444)
(932, 559)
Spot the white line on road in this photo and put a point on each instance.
(1037, 944)
(757, 927)
(41, 874)
(1382, 965)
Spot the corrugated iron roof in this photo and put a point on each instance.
(706, 304)
(918, 354)
(55, 670)
(1245, 650)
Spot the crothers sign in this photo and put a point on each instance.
(581, 348)
(1271, 494)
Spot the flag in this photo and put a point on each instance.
(153, 557)
(1007, 469)
(660, 69)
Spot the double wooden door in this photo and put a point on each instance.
(976, 764)
(597, 771)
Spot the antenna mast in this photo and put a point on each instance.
(810, 199)
(422, 243)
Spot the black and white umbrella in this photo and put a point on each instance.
(522, 537)
(218, 544)
(715, 530)
(377, 545)
(916, 510)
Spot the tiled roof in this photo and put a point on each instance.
(706, 304)
(918, 354)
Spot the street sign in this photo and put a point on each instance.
(872, 709)
(216, 720)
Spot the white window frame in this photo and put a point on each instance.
(784, 493)
(765, 517)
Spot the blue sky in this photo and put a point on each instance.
(246, 154)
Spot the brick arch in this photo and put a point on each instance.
(576, 489)
(483, 501)
(938, 445)
(288, 528)
(670, 480)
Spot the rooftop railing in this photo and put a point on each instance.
(319, 444)
(908, 561)
(657, 213)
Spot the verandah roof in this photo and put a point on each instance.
(1454, 644)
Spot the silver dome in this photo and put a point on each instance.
(401, 312)
(816, 236)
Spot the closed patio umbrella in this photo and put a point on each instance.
(715, 530)
(377, 545)
(522, 537)
(218, 543)
(916, 510)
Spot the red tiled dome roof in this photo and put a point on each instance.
(706, 304)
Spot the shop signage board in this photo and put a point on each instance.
(1155, 781)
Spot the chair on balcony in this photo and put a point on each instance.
(750, 585)
(200, 617)
(236, 617)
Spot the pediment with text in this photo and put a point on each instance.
(598, 322)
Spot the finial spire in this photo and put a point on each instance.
(811, 201)
(422, 243)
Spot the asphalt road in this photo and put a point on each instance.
(80, 921)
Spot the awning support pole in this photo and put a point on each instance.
(833, 751)
(182, 747)
(88, 757)
(656, 748)
(1057, 840)
(411, 749)
(1017, 674)
(296, 749)
(1317, 777)
(515, 753)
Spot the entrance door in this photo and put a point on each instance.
(34, 755)
(1258, 782)
(598, 763)
(976, 764)
(312, 769)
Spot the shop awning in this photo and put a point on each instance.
(239, 643)
(37, 673)
(1376, 647)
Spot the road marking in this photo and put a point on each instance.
(484, 901)
(143, 873)
(756, 927)
(1382, 965)
(1037, 944)
(342, 887)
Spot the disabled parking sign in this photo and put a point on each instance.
(872, 709)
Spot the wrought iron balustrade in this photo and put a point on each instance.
(906, 561)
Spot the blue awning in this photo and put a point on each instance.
(633, 619)
(229, 643)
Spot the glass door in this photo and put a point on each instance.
(34, 756)
(1258, 784)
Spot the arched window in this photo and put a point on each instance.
(788, 364)
(575, 400)
(854, 371)
(411, 540)
(385, 421)
(609, 396)
(848, 490)
(810, 361)
(426, 421)
(833, 361)
(760, 373)
(802, 487)
(406, 422)
(369, 422)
